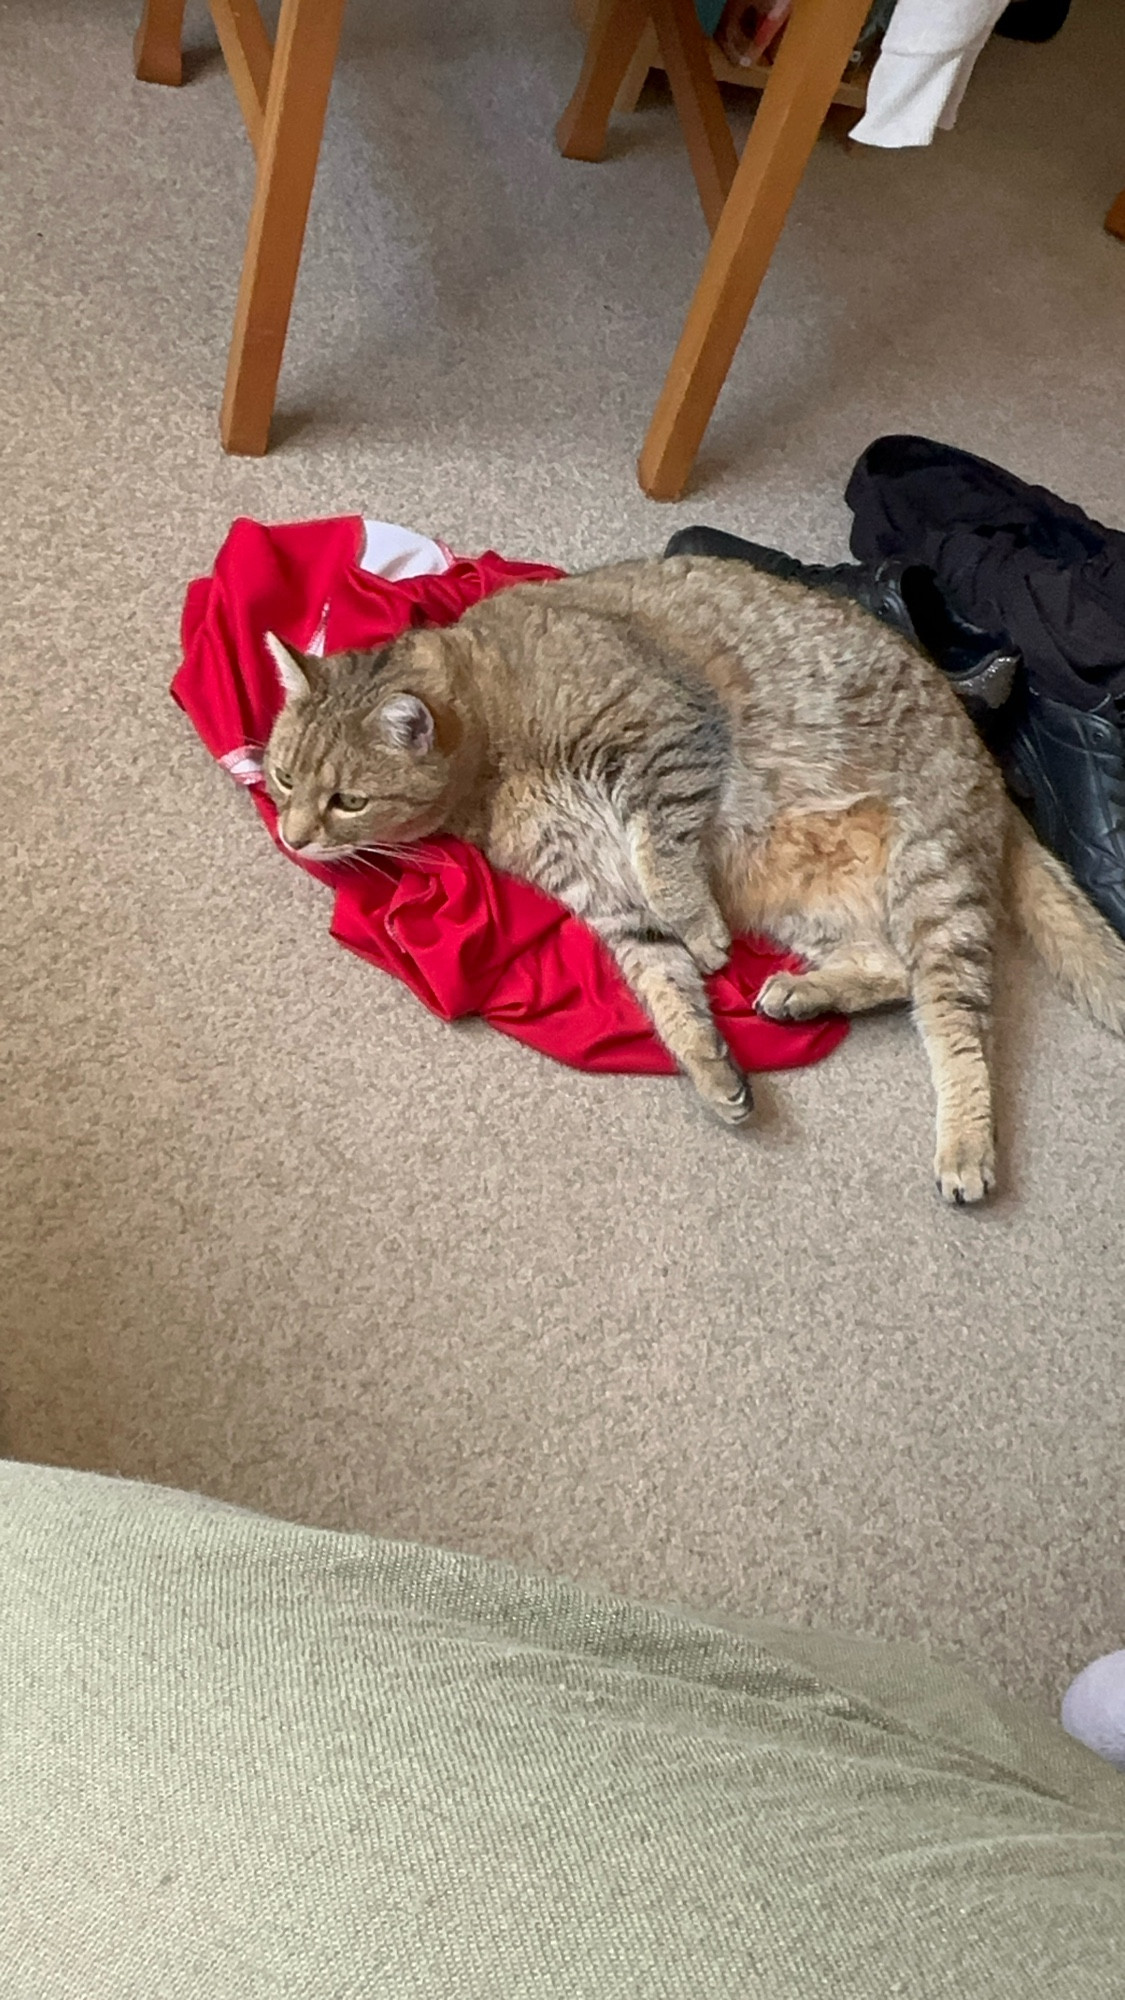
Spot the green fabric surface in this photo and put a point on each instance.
(241, 1759)
(710, 13)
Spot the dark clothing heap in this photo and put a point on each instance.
(1019, 597)
(1012, 557)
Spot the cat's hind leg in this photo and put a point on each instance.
(847, 979)
(942, 920)
(953, 1026)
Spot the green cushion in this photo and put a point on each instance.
(243, 1759)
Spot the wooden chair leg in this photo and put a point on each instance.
(699, 103)
(300, 79)
(156, 44)
(249, 59)
(812, 57)
(636, 76)
(1115, 220)
(624, 31)
(611, 45)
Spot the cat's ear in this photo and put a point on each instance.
(292, 667)
(407, 724)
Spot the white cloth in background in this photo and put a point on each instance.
(396, 553)
(391, 552)
(922, 69)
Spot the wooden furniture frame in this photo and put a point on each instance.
(745, 204)
(851, 94)
(283, 93)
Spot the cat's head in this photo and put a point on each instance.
(359, 757)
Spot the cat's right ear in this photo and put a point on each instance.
(407, 724)
(292, 667)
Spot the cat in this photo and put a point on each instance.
(681, 750)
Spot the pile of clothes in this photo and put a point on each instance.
(1020, 599)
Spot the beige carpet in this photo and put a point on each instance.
(267, 1228)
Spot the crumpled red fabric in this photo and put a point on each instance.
(464, 937)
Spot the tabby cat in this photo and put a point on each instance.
(680, 750)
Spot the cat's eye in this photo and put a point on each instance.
(282, 779)
(348, 802)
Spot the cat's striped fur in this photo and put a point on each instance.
(684, 749)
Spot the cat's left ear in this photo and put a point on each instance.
(295, 670)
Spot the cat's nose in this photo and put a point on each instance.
(297, 831)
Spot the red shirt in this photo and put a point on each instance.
(464, 937)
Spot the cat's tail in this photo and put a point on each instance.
(1079, 948)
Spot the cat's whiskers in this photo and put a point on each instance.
(409, 851)
(374, 864)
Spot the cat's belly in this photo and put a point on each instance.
(816, 873)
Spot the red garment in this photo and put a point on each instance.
(464, 937)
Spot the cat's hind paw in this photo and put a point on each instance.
(789, 996)
(965, 1174)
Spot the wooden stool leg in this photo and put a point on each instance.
(811, 60)
(156, 44)
(613, 41)
(1115, 220)
(300, 79)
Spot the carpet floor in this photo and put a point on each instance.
(269, 1230)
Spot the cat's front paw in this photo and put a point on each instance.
(725, 1092)
(709, 943)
